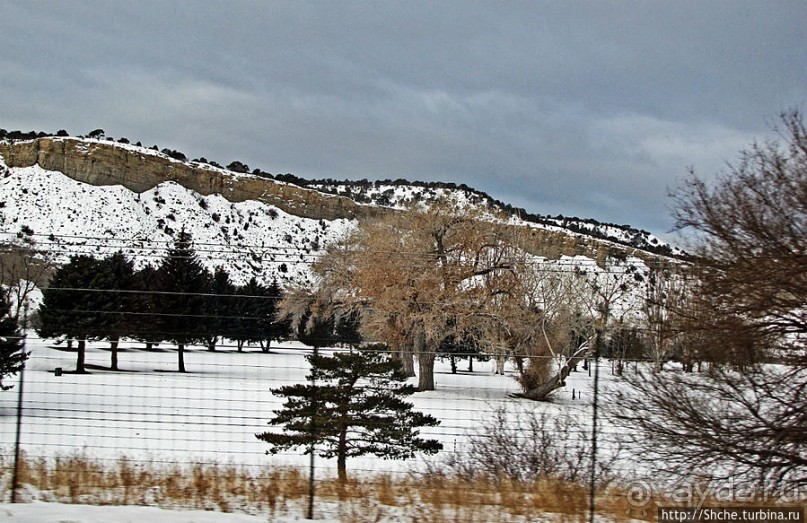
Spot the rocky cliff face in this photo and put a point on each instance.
(107, 163)
(139, 170)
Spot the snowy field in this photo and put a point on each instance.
(39, 512)
(212, 412)
(151, 413)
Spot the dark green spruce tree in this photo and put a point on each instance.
(247, 326)
(219, 307)
(144, 325)
(352, 406)
(272, 327)
(182, 283)
(115, 282)
(70, 305)
(348, 329)
(12, 355)
(317, 330)
(455, 348)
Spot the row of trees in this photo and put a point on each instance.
(440, 273)
(179, 301)
(447, 281)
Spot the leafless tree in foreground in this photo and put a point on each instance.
(724, 425)
(746, 419)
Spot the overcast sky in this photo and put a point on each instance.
(591, 109)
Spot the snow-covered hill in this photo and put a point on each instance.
(402, 194)
(62, 216)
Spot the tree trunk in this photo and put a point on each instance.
(470, 363)
(425, 360)
(113, 346)
(341, 456)
(149, 345)
(70, 343)
(265, 346)
(501, 359)
(181, 357)
(557, 381)
(519, 361)
(426, 370)
(80, 356)
(453, 365)
(211, 343)
(408, 363)
(240, 344)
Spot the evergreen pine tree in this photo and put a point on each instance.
(70, 306)
(459, 348)
(145, 325)
(273, 327)
(115, 279)
(352, 407)
(12, 356)
(347, 329)
(182, 281)
(219, 307)
(246, 327)
(317, 330)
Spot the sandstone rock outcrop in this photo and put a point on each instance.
(107, 163)
(139, 170)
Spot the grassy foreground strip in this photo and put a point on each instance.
(278, 492)
(429, 497)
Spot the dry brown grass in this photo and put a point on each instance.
(432, 497)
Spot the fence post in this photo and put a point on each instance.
(310, 511)
(15, 478)
(594, 407)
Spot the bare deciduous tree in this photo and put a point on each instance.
(22, 270)
(747, 420)
(554, 332)
(665, 293)
(423, 275)
(525, 447)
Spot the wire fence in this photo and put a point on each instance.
(145, 427)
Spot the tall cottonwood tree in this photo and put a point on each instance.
(743, 420)
(423, 275)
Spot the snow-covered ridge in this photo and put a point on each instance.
(398, 194)
(249, 238)
(402, 194)
(63, 216)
